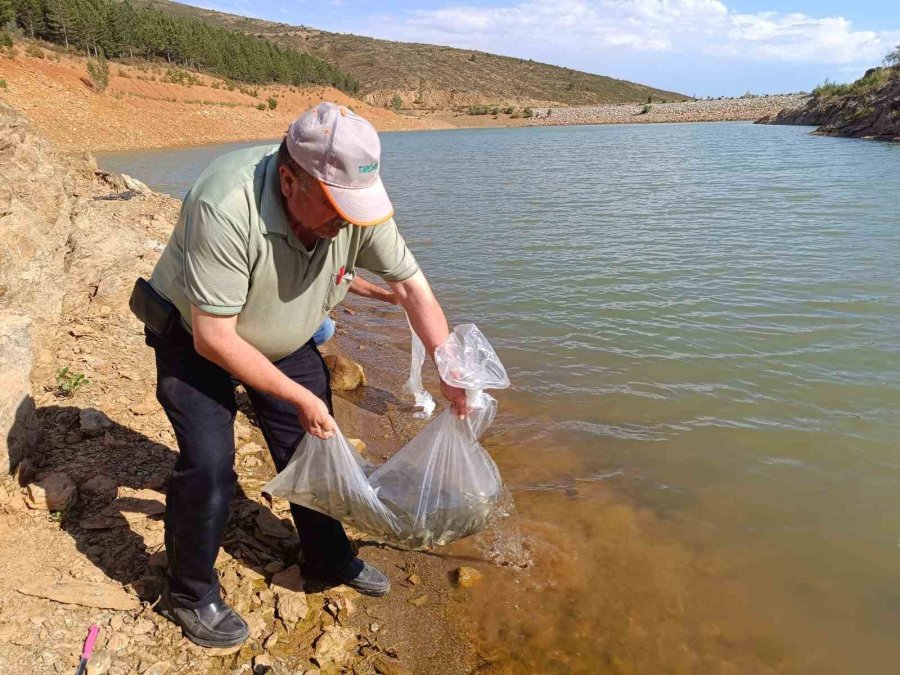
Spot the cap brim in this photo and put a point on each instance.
(360, 206)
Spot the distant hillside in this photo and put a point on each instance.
(432, 76)
(867, 108)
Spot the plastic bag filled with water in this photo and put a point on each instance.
(439, 487)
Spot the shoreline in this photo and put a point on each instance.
(142, 110)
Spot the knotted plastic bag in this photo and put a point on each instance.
(439, 487)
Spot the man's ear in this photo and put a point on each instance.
(288, 181)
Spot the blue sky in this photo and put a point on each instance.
(699, 47)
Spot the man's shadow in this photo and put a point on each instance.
(118, 524)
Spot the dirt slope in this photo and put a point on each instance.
(139, 112)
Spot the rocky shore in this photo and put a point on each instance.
(86, 452)
(868, 108)
(716, 110)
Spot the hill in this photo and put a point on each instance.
(430, 76)
(867, 108)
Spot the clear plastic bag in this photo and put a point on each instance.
(439, 487)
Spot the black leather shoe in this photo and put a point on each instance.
(213, 625)
(358, 575)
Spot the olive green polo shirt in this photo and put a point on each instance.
(233, 252)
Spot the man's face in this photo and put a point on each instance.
(307, 205)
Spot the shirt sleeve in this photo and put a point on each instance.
(384, 252)
(216, 263)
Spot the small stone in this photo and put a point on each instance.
(419, 600)
(101, 596)
(141, 627)
(262, 663)
(148, 588)
(272, 526)
(158, 668)
(357, 444)
(99, 663)
(102, 487)
(375, 627)
(346, 375)
(54, 492)
(466, 577)
(334, 646)
(271, 641)
(414, 579)
(93, 422)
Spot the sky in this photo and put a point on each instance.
(695, 47)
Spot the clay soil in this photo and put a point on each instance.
(141, 110)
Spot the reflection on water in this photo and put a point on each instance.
(700, 323)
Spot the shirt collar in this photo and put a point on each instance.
(272, 218)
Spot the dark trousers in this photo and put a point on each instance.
(198, 397)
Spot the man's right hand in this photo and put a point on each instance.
(315, 418)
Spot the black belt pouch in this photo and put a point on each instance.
(156, 312)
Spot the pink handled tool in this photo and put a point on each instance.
(88, 648)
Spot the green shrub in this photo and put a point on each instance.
(35, 51)
(5, 39)
(260, 106)
(98, 71)
(874, 79)
(396, 103)
(647, 108)
(2, 83)
(273, 103)
(893, 59)
(68, 383)
(528, 112)
(123, 73)
(829, 88)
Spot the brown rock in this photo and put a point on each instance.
(414, 579)
(54, 492)
(159, 560)
(100, 486)
(419, 600)
(158, 668)
(270, 525)
(288, 580)
(99, 663)
(334, 646)
(82, 593)
(93, 422)
(466, 577)
(346, 375)
(262, 663)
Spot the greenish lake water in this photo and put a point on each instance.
(702, 327)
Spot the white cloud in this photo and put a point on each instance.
(682, 26)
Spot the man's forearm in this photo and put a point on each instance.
(239, 358)
(424, 311)
(367, 289)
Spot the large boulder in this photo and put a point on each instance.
(54, 492)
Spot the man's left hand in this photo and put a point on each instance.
(457, 399)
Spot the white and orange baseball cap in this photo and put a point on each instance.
(342, 151)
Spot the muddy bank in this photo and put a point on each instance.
(81, 535)
(870, 108)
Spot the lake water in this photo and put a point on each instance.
(701, 325)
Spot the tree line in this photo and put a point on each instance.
(118, 30)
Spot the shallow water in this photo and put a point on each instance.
(700, 323)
